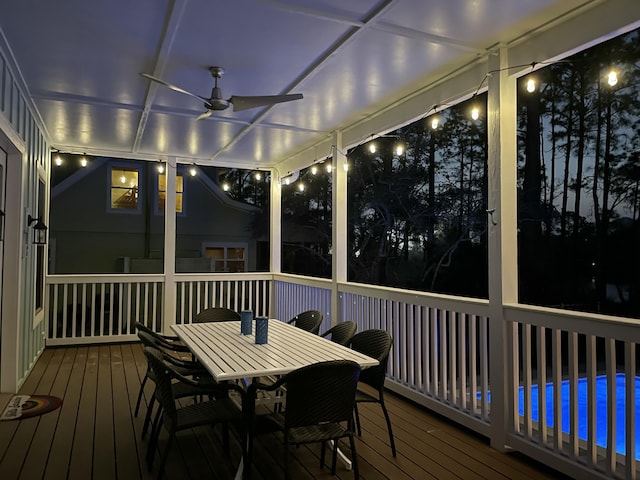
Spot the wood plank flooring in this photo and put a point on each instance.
(94, 435)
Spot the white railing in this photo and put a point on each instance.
(294, 294)
(440, 354)
(237, 292)
(101, 308)
(586, 367)
(104, 308)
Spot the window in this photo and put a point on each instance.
(124, 188)
(227, 258)
(162, 192)
(40, 252)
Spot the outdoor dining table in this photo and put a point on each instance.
(229, 355)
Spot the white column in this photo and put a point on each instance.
(503, 268)
(170, 246)
(339, 247)
(275, 235)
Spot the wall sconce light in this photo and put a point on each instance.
(39, 230)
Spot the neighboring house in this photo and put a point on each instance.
(109, 218)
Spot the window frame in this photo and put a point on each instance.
(227, 246)
(156, 193)
(123, 166)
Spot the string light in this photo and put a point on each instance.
(475, 113)
(612, 78)
(225, 187)
(160, 167)
(435, 122)
(314, 170)
(329, 167)
(84, 162)
(345, 166)
(192, 171)
(531, 85)
(372, 147)
(58, 160)
(399, 150)
(301, 186)
(258, 176)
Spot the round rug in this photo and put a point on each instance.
(39, 404)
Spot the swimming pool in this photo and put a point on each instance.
(601, 409)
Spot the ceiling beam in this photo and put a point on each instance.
(174, 16)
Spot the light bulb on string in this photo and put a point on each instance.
(84, 162)
(435, 121)
(225, 187)
(372, 147)
(192, 171)
(58, 160)
(475, 113)
(612, 78)
(345, 166)
(531, 85)
(258, 176)
(329, 168)
(314, 170)
(399, 149)
(301, 186)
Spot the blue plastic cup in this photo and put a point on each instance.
(246, 321)
(262, 330)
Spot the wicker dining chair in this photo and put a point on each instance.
(318, 408)
(220, 408)
(375, 343)
(309, 321)
(216, 314)
(341, 333)
(164, 342)
(181, 390)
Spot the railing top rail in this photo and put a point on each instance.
(203, 277)
(302, 280)
(103, 278)
(474, 306)
(572, 321)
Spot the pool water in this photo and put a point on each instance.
(601, 409)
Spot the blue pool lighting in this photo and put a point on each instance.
(601, 409)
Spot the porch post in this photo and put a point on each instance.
(169, 317)
(503, 267)
(275, 236)
(339, 220)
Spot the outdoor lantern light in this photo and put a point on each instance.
(39, 230)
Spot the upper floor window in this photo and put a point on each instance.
(162, 192)
(124, 188)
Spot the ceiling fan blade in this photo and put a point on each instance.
(245, 103)
(172, 87)
(204, 115)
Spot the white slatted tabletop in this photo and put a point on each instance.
(228, 355)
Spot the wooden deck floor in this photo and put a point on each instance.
(94, 435)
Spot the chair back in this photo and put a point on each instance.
(320, 393)
(164, 390)
(309, 321)
(216, 314)
(375, 343)
(341, 333)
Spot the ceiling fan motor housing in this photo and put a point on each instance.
(216, 102)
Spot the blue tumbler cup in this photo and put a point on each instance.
(246, 321)
(262, 330)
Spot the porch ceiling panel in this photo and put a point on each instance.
(350, 59)
(85, 127)
(170, 134)
(261, 144)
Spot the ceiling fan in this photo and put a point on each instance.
(216, 103)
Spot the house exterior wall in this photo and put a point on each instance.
(90, 237)
(23, 332)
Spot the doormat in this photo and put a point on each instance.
(27, 406)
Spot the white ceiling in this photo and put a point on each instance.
(80, 61)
